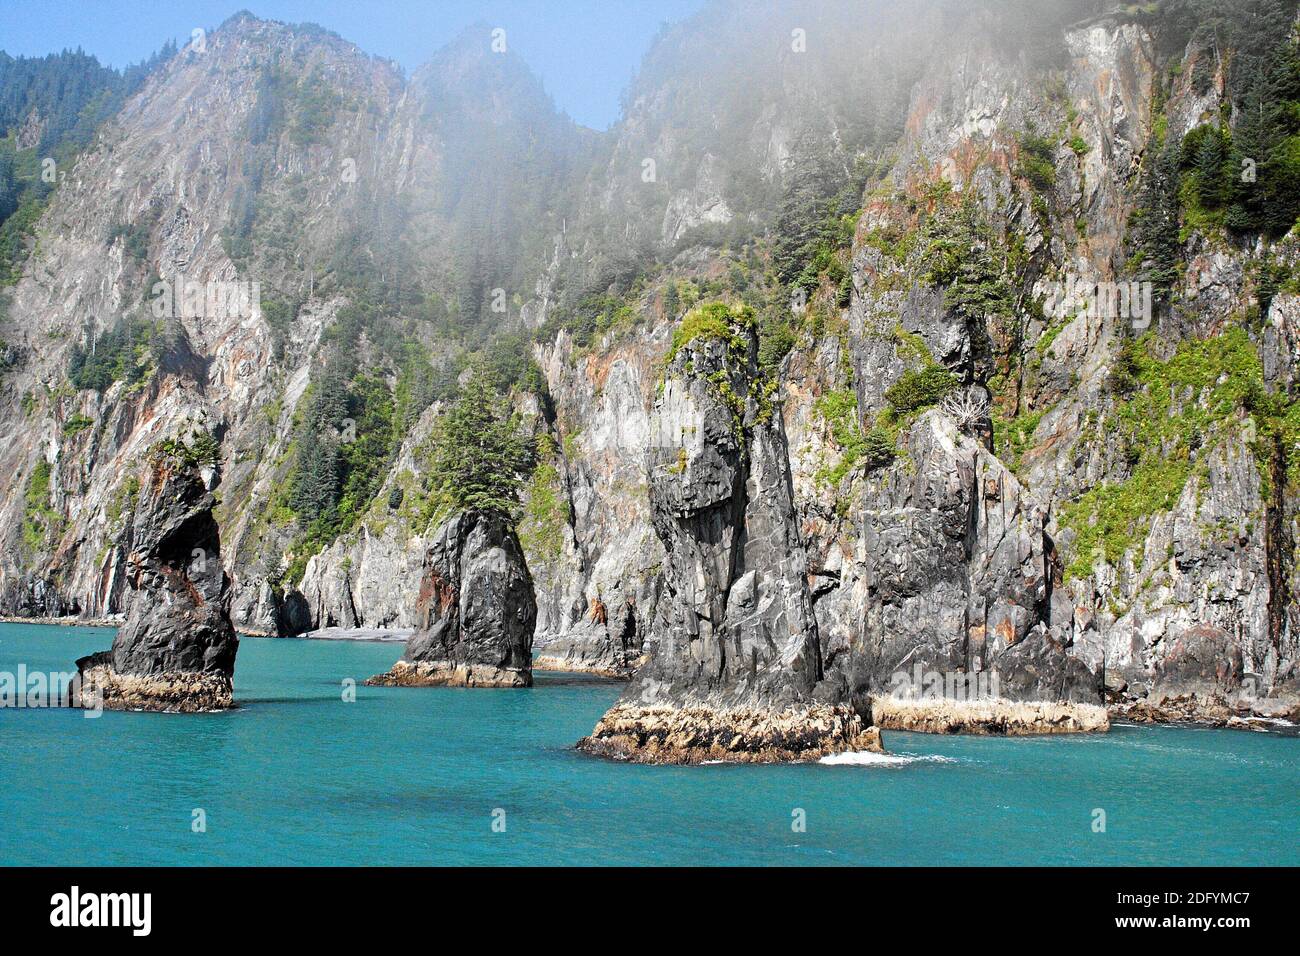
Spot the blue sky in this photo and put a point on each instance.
(585, 51)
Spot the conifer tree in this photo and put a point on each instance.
(480, 454)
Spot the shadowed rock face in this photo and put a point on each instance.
(1200, 677)
(475, 610)
(962, 576)
(176, 650)
(735, 664)
(604, 641)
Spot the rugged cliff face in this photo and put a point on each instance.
(736, 662)
(1130, 524)
(176, 649)
(475, 611)
(597, 562)
(1110, 515)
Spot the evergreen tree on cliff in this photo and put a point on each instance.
(480, 455)
(476, 610)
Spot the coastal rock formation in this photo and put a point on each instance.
(700, 734)
(735, 667)
(594, 556)
(475, 611)
(991, 717)
(176, 649)
(963, 578)
(1199, 676)
(1126, 511)
(604, 641)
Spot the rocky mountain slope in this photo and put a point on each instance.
(988, 469)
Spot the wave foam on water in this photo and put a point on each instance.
(867, 758)
(1272, 721)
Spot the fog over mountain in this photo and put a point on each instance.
(957, 333)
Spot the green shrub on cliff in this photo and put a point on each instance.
(713, 320)
(870, 450)
(40, 520)
(480, 455)
(546, 514)
(920, 388)
(1037, 161)
(1175, 410)
(200, 450)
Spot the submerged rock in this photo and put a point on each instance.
(475, 611)
(735, 664)
(176, 649)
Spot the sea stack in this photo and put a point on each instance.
(476, 610)
(735, 671)
(176, 650)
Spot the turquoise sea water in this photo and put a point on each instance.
(413, 776)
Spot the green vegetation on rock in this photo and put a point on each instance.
(128, 352)
(716, 321)
(917, 389)
(199, 450)
(546, 511)
(1012, 437)
(1037, 164)
(480, 455)
(1171, 410)
(40, 520)
(871, 450)
(71, 95)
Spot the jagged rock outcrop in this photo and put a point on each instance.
(1134, 604)
(961, 576)
(1049, 151)
(475, 611)
(176, 650)
(604, 641)
(736, 667)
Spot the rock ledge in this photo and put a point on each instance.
(692, 735)
(173, 692)
(988, 717)
(437, 674)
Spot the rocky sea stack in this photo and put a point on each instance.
(176, 650)
(736, 671)
(475, 611)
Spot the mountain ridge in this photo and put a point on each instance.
(896, 225)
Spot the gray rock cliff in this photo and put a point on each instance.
(736, 664)
(475, 611)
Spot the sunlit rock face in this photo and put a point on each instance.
(735, 667)
(960, 552)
